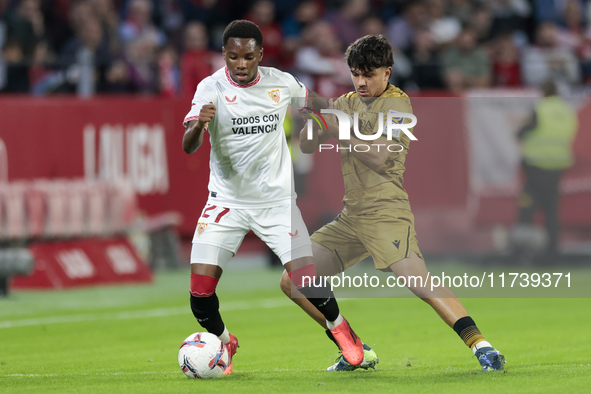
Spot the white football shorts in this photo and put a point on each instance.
(281, 228)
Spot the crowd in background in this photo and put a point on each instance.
(165, 47)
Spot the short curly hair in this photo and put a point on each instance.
(368, 53)
(243, 29)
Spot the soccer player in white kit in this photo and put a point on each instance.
(251, 186)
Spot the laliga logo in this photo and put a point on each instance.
(394, 124)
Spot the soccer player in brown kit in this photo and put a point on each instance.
(377, 219)
(243, 106)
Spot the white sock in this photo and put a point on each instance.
(479, 345)
(332, 324)
(225, 336)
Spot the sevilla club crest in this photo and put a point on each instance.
(201, 228)
(275, 95)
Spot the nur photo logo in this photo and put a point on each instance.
(394, 126)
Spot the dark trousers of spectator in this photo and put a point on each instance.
(3, 286)
(541, 190)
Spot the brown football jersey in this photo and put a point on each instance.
(365, 189)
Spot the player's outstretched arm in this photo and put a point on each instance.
(316, 102)
(193, 137)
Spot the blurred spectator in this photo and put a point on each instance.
(346, 23)
(168, 72)
(372, 25)
(107, 14)
(482, 22)
(135, 33)
(119, 78)
(139, 23)
(546, 149)
(40, 65)
(462, 10)
(320, 62)
(509, 16)
(140, 55)
(505, 62)
(173, 21)
(86, 59)
(3, 7)
(549, 10)
(306, 13)
(214, 14)
(549, 60)
(401, 29)
(263, 14)
(402, 68)
(196, 61)
(16, 70)
(426, 70)
(444, 28)
(25, 25)
(55, 16)
(285, 8)
(79, 12)
(572, 35)
(466, 66)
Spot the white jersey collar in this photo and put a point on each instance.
(254, 81)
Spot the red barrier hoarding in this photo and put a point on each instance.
(140, 139)
(82, 263)
(107, 138)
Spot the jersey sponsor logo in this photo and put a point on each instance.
(259, 129)
(231, 101)
(201, 226)
(252, 124)
(293, 235)
(275, 95)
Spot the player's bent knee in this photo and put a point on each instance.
(285, 283)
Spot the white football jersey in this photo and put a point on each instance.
(250, 165)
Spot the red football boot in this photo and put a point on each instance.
(231, 347)
(349, 343)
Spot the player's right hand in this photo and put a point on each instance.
(207, 113)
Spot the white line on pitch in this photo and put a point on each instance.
(36, 375)
(160, 312)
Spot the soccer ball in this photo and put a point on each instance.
(203, 356)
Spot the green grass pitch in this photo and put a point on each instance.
(125, 339)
